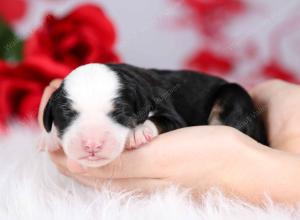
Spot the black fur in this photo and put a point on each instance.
(182, 98)
(176, 98)
(59, 111)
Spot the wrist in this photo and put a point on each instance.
(261, 172)
(238, 156)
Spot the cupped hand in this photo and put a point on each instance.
(191, 157)
(197, 157)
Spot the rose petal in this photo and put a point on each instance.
(85, 35)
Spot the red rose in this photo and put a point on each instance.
(13, 10)
(85, 35)
(21, 86)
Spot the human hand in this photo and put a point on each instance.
(186, 157)
(190, 157)
(279, 103)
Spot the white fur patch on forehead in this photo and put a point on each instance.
(92, 87)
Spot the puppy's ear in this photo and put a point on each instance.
(48, 115)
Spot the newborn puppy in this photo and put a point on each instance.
(99, 110)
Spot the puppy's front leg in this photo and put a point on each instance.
(141, 135)
(164, 120)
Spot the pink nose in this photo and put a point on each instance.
(92, 147)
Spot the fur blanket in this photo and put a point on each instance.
(31, 188)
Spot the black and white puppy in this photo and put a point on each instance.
(99, 110)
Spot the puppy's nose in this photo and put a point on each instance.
(92, 147)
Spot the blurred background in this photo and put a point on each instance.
(247, 41)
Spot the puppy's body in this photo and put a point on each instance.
(187, 98)
(100, 109)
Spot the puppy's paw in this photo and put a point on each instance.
(48, 142)
(141, 135)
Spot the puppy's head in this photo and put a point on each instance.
(90, 115)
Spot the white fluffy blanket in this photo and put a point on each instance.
(31, 188)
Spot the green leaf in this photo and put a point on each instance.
(11, 47)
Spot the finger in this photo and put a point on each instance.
(131, 167)
(45, 97)
(263, 96)
(154, 159)
(142, 185)
(136, 163)
(272, 95)
(75, 167)
(63, 171)
(58, 158)
(264, 92)
(60, 163)
(55, 83)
